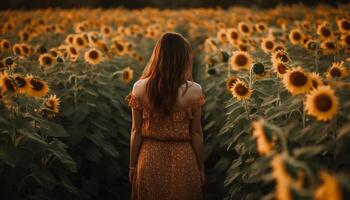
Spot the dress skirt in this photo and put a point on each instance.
(167, 170)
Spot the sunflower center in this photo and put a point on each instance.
(25, 36)
(234, 35)
(325, 32)
(9, 61)
(296, 36)
(323, 102)
(347, 39)
(73, 51)
(47, 60)
(241, 90)
(335, 72)
(269, 45)
(330, 45)
(120, 47)
(93, 54)
(245, 29)
(17, 50)
(298, 79)
(37, 85)
(6, 45)
(261, 27)
(281, 68)
(241, 60)
(80, 41)
(10, 85)
(345, 25)
(25, 49)
(21, 82)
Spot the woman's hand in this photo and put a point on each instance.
(131, 175)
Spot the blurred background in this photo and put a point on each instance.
(32, 4)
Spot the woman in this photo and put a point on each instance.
(166, 145)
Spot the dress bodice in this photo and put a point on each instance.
(176, 126)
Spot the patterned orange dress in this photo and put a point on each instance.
(167, 167)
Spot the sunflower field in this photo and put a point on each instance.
(276, 120)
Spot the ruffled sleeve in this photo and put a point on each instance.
(133, 101)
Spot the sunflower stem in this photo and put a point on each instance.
(303, 116)
(228, 71)
(246, 109)
(316, 60)
(250, 77)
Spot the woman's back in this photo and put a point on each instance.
(175, 126)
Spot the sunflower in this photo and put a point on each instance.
(240, 60)
(316, 80)
(297, 81)
(321, 103)
(46, 59)
(295, 36)
(72, 50)
(38, 88)
(9, 62)
(119, 47)
(222, 36)
(328, 47)
(337, 70)
(280, 68)
(345, 40)
(52, 103)
(79, 41)
(280, 56)
(70, 39)
(240, 91)
(25, 49)
(324, 31)
(343, 25)
(7, 83)
(17, 50)
(5, 45)
(263, 136)
(24, 36)
(245, 28)
(230, 82)
(329, 189)
(261, 27)
(267, 45)
(106, 30)
(22, 84)
(93, 56)
(127, 75)
(232, 35)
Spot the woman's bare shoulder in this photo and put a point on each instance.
(195, 89)
(139, 87)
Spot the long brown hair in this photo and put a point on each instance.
(170, 66)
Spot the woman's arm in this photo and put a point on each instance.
(135, 138)
(197, 138)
